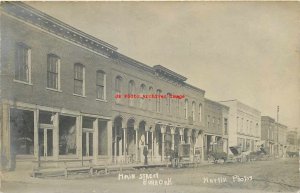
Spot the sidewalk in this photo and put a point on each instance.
(25, 175)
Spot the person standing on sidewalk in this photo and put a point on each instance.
(145, 152)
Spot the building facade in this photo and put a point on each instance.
(160, 124)
(216, 127)
(244, 125)
(268, 134)
(281, 139)
(55, 102)
(66, 95)
(292, 141)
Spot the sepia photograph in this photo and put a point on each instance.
(149, 96)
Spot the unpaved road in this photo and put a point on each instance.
(281, 175)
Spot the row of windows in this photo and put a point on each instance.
(246, 126)
(148, 104)
(23, 73)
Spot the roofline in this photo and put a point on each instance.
(35, 12)
(160, 67)
(194, 87)
(209, 100)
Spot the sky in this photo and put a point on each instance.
(233, 50)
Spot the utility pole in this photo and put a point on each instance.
(277, 130)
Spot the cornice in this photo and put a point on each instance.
(41, 20)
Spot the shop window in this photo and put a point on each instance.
(102, 138)
(67, 135)
(22, 132)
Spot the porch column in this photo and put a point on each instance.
(173, 137)
(36, 135)
(109, 138)
(163, 131)
(153, 143)
(181, 133)
(189, 134)
(202, 144)
(95, 141)
(147, 138)
(124, 143)
(79, 136)
(115, 144)
(6, 135)
(56, 136)
(136, 144)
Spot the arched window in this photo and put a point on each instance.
(79, 79)
(186, 104)
(168, 103)
(131, 91)
(142, 100)
(200, 112)
(150, 100)
(158, 100)
(118, 85)
(101, 84)
(118, 88)
(178, 107)
(193, 110)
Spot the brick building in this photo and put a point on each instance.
(292, 141)
(216, 127)
(268, 134)
(63, 98)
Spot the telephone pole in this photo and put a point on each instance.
(277, 130)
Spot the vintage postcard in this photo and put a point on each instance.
(149, 97)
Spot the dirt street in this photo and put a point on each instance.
(281, 175)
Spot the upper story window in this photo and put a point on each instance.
(178, 106)
(168, 103)
(53, 72)
(200, 112)
(131, 90)
(118, 85)
(79, 79)
(242, 124)
(186, 104)
(208, 119)
(158, 101)
(151, 104)
(225, 126)
(118, 88)
(101, 84)
(193, 110)
(237, 124)
(23, 63)
(142, 100)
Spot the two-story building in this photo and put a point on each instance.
(66, 95)
(244, 125)
(169, 114)
(216, 127)
(281, 139)
(268, 134)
